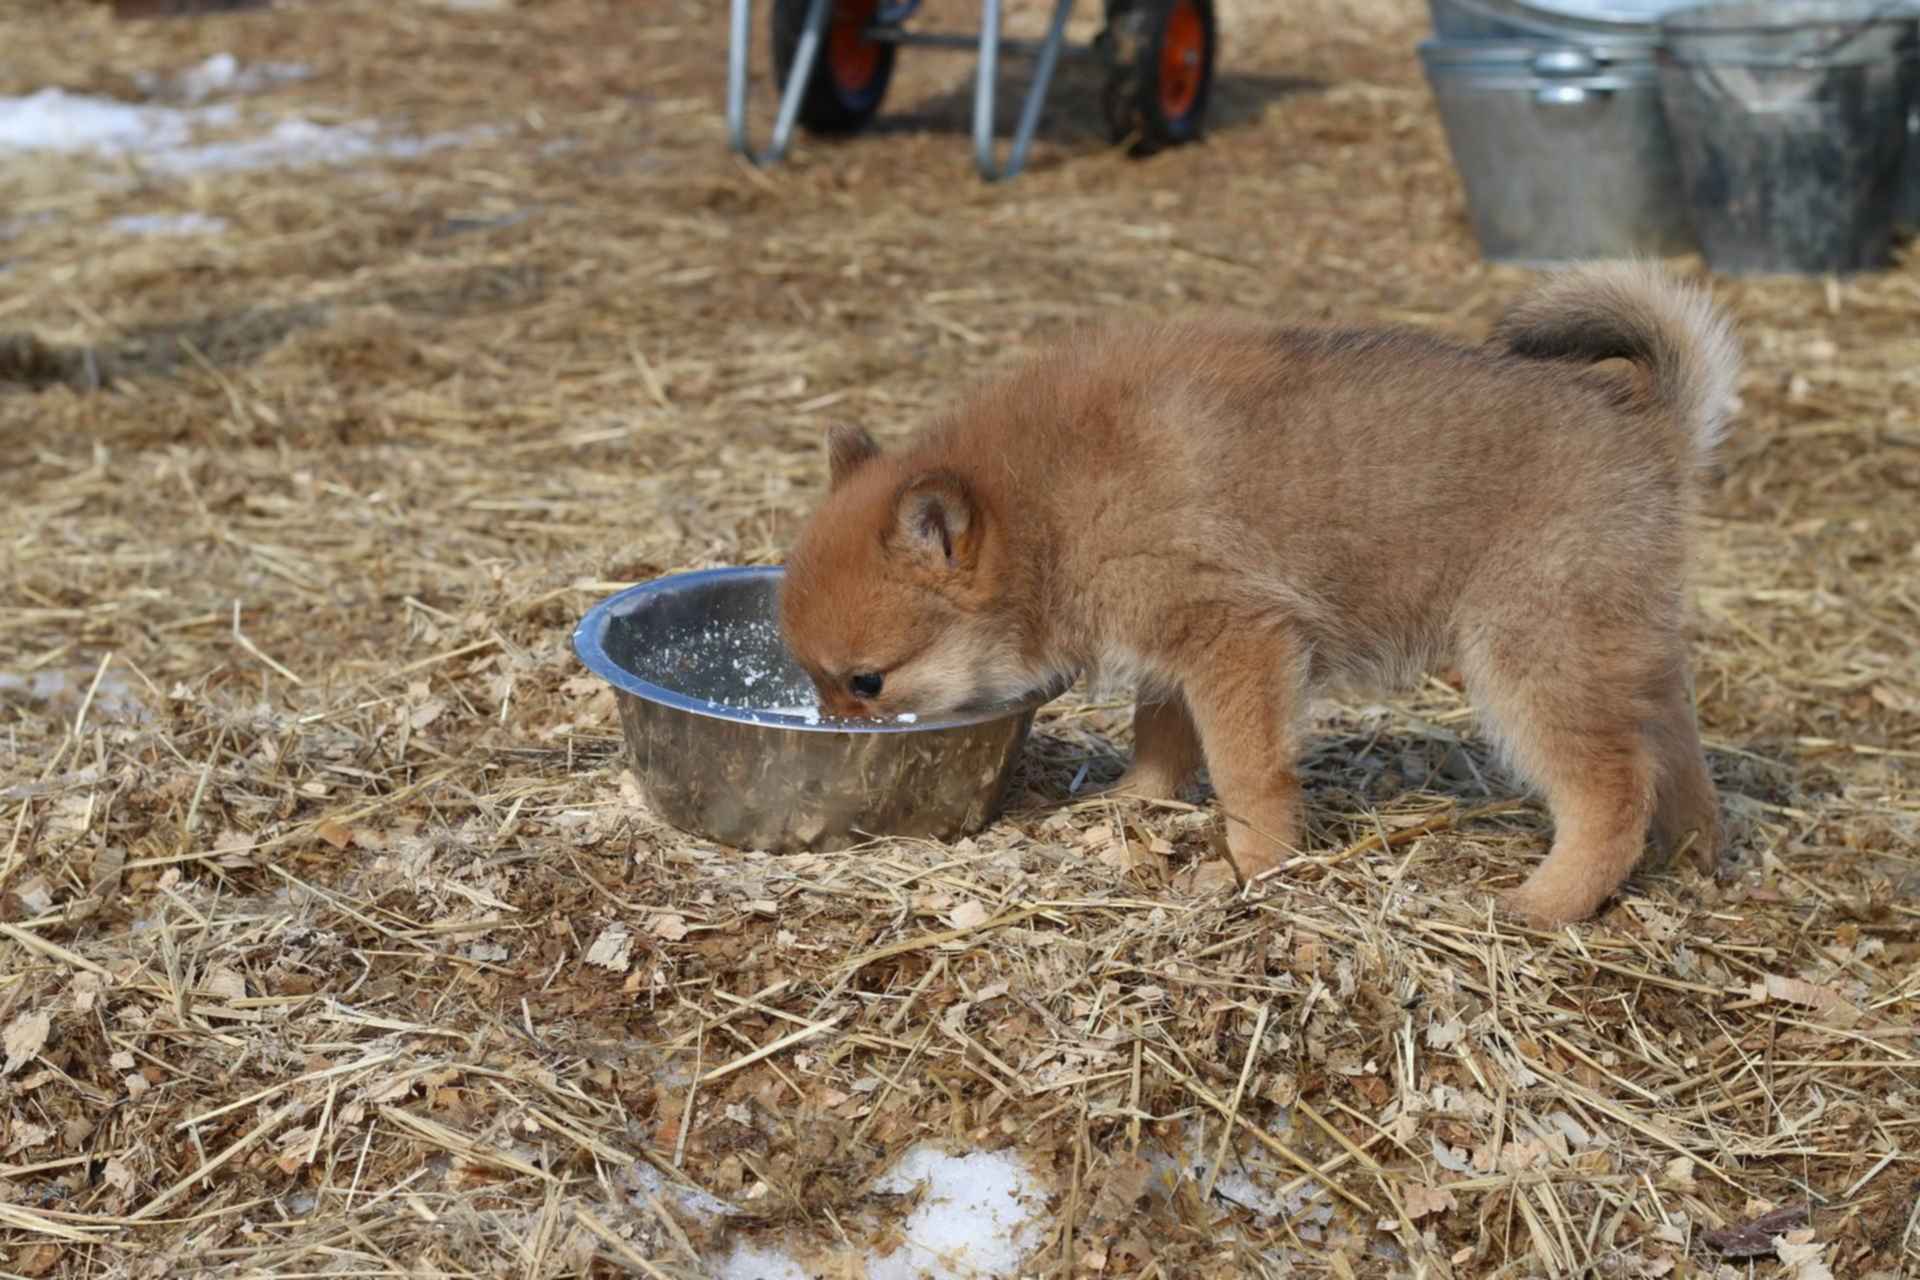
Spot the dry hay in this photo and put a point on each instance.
(336, 943)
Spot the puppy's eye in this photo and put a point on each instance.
(866, 685)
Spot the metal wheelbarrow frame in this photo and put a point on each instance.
(886, 27)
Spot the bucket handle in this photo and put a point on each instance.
(1569, 95)
(1569, 61)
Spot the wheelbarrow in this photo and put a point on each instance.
(833, 60)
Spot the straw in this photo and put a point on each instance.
(355, 950)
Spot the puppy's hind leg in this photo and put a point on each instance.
(1686, 806)
(1578, 730)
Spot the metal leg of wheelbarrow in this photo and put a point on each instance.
(983, 90)
(804, 56)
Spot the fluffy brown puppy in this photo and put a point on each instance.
(1234, 518)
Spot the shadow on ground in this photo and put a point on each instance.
(1073, 116)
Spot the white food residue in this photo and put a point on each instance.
(741, 666)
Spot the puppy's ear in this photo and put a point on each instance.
(936, 519)
(848, 449)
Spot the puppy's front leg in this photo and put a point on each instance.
(1166, 748)
(1245, 692)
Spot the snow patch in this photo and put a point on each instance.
(978, 1218)
(647, 1181)
(751, 1262)
(1252, 1187)
(221, 73)
(114, 699)
(295, 142)
(981, 1213)
(55, 120)
(12, 227)
(169, 224)
(162, 138)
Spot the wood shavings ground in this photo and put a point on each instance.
(335, 935)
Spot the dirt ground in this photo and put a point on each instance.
(335, 940)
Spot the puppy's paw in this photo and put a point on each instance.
(1256, 851)
(1543, 908)
(1696, 849)
(1706, 850)
(1142, 782)
(1203, 879)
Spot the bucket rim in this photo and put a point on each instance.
(1527, 22)
(1784, 17)
(1640, 23)
(1464, 49)
(1518, 61)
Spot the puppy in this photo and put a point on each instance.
(1236, 517)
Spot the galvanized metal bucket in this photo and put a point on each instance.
(1467, 20)
(1906, 206)
(1562, 150)
(1608, 22)
(1790, 119)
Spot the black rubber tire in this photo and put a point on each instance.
(828, 106)
(1136, 37)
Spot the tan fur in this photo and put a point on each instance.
(1236, 517)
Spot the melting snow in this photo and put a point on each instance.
(977, 1219)
(751, 1262)
(55, 120)
(221, 73)
(301, 142)
(691, 1199)
(981, 1213)
(114, 699)
(170, 224)
(163, 137)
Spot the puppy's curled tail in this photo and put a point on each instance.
(1638, 312)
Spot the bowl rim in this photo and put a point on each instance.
(589, 646)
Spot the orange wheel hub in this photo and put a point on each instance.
(1182, 57)
(851, 57)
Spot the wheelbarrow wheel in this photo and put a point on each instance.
(1160, 56)
(850, 75)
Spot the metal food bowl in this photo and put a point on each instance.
(697, 665)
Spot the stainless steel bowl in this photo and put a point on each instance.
(695, 659)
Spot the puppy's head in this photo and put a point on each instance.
(890, 602)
